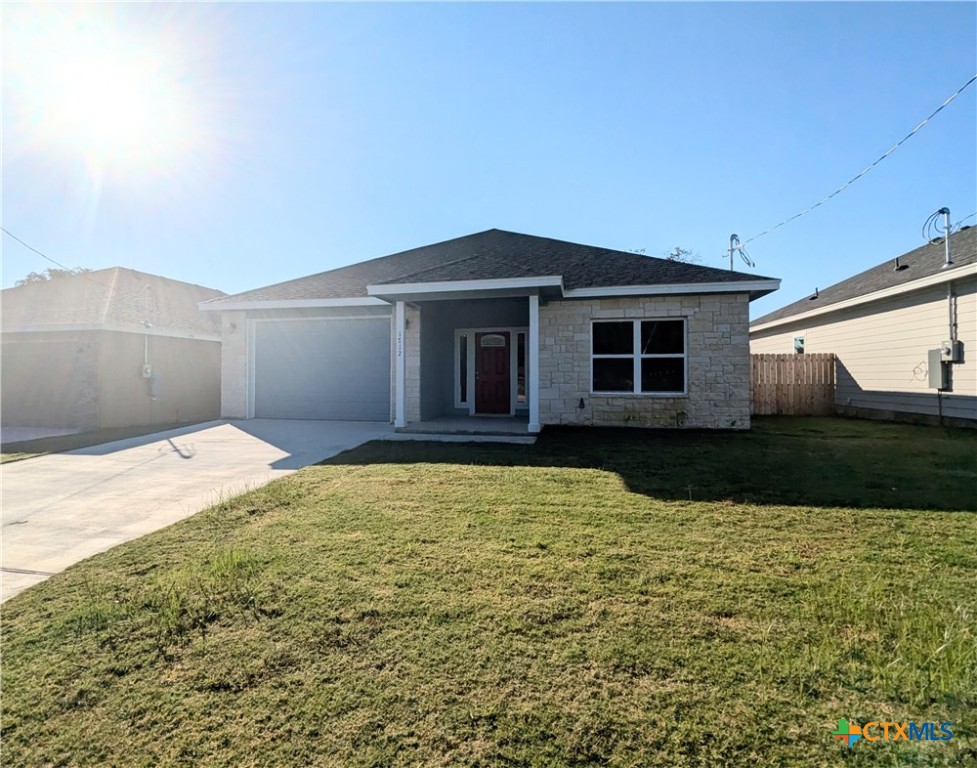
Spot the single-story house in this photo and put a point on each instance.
(108, 348)
(904, 333)
(496, 324)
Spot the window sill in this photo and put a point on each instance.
(639, 394)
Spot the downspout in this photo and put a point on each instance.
(952, 311)
(951, 307)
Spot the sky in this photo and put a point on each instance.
(239, 145)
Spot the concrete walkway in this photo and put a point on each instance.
(59, 509)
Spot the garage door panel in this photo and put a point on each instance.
(323, 369)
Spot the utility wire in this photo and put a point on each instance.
(961, 221)
(932, 231)
(53, 261)
(888, 152)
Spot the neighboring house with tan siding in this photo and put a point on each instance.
(109, 348)
(883, 324)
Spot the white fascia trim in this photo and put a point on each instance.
(454, 286)
(944, 276)
(139, 330)
(364, 301)
(745, 286)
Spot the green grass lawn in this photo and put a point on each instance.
(620, 598)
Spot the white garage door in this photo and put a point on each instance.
(322, 369)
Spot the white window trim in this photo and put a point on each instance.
(513, 367)
(636, 357)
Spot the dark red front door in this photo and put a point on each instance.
(492, 373)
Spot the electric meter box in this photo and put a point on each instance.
(951, 351)
(938, 378)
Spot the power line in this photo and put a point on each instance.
(888, 152)
(961, 221)
(32, 248)
(53, 261)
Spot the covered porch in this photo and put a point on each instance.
(466, 361)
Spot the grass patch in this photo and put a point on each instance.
(560, 604)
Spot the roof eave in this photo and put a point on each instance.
(246, 304)
(755, 289)
(943, 276)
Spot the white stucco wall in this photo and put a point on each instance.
(234, 365)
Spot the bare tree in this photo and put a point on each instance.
(682, 254)
(676, 254)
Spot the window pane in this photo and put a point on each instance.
(613, 374)
(663, 374)
(662, 337)
(613, 338)
(463, 365)
(493, 340)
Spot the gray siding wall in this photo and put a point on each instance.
(439, 320)
(881, 350)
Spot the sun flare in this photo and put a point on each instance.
(115, 100)
(115, 106)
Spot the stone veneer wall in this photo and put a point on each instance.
(718, 363)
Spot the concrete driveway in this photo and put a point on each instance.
(57, 510)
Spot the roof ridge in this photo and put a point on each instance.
(606, 250)
(353, 264)
(493, 250)
(493, 253)
(111, 293)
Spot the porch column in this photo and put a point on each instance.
(533, 343)
(400, 323)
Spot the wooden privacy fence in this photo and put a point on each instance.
(793, 385)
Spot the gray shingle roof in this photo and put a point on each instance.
(489, 255)
(922, 262)
(115, 296)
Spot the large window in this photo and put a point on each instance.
(639, 356)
